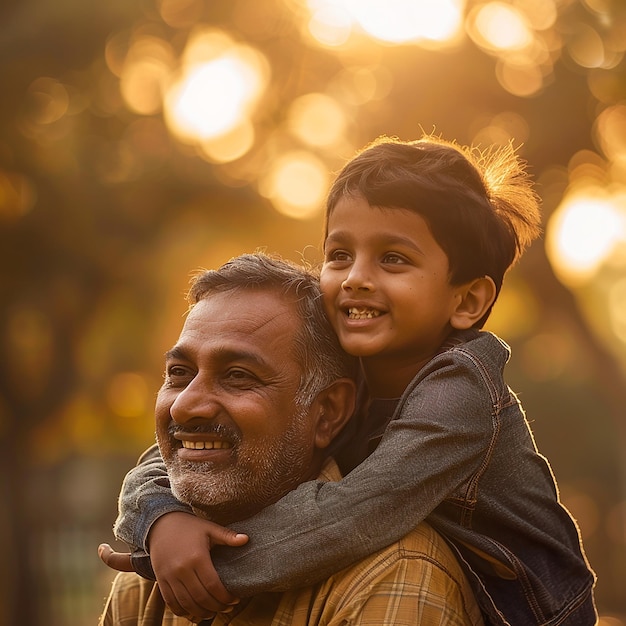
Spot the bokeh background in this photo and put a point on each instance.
(143, 139)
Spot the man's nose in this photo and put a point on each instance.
(197, 401)
(359, 278)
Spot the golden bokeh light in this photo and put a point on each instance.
(219, 85)
(48, 100)
(330, 24)
(519, 79)
(583, 233)
(357, 85)
(586, 47)
(501, 129)
(391, 21)
(144, 74)
(515, 34)
(296, 184)
(610, 131)
(498, 26)
(317, 120)
(180, 13)
(229, 146)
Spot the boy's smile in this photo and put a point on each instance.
(386, 289)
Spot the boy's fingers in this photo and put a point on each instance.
(119, 561)
(226, 537)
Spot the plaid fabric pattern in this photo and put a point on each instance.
(416, 581)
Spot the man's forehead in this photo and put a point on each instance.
(244, 312)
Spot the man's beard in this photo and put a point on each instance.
(257, 475)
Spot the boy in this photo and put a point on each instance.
(418, 238)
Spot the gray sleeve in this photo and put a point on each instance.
(145, 496)
(437, 438)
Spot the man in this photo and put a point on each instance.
(256, 390)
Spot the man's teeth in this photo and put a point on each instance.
(206, 445)
(362, 314)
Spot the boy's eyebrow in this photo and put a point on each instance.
(387, 239)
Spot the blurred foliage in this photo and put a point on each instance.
(106, 206)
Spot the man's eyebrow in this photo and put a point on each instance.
(175, 353)
(224, 354)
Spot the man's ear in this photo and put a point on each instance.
(334, 406)
(474, 300)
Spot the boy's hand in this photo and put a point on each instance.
(180, 545)
(115, 560)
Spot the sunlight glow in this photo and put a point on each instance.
(393, 21)
(230, 146)
(296, 184)
(515, 34)
(501, 26)
(582, 234)
(317, 120)
(220, 84)
(144, 73)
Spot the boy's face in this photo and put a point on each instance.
(385, 284)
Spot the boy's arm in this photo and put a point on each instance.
(180, 542)
(437, 439)
(145, 496)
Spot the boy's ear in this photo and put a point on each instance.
(334, 406)
(475, 298)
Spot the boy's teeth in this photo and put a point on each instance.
(355, 313)
(206, 445)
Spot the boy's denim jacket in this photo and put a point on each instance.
(457, 451)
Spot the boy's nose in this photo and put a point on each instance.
(358, 279)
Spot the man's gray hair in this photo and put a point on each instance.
(316, 347)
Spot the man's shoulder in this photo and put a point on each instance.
(417, 573)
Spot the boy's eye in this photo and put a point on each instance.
(393, 258)
(337, 255)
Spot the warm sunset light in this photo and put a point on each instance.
(317, 120)
(502, 26)
(296, 184)
(581, 236)
(219, 85)
(393, 21)
(143, 141)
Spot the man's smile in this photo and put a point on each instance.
(206, 445)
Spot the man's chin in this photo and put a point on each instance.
(196, 491)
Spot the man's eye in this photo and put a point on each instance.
(241, 378)
(177, 375)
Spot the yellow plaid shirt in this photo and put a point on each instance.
(416, 580)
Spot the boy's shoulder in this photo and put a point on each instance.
(477, 344)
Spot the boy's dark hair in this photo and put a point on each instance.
(479, 205)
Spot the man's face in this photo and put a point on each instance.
(229, 431)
